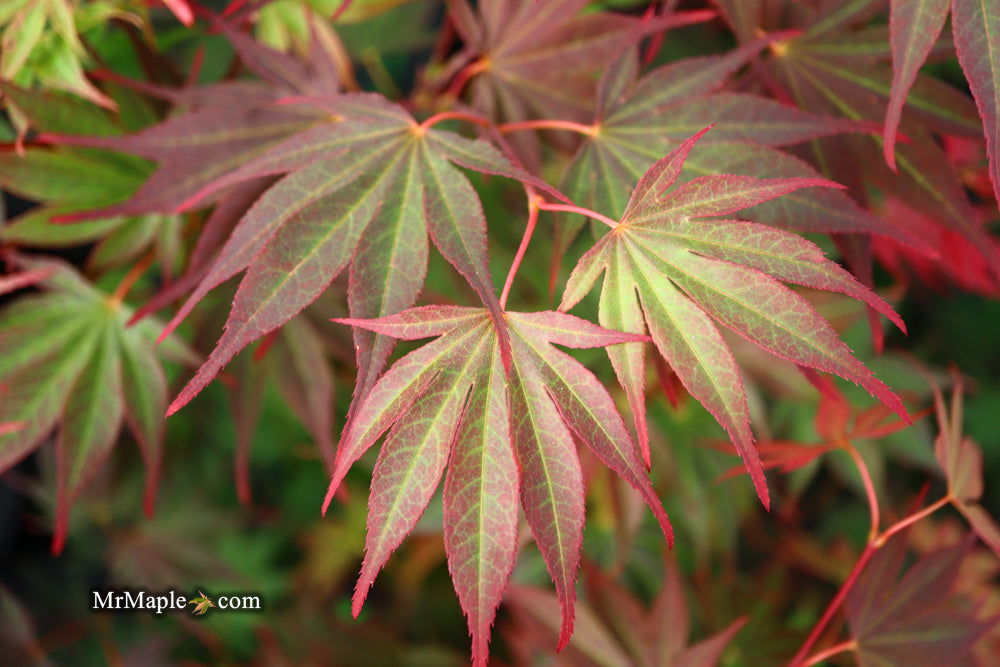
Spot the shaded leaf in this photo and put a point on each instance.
(68, 361)
(914, 619)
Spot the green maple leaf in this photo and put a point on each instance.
(69, 363)
(672, 273)
(201, 603)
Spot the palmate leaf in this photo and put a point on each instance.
(962, 462)
(544, 61)
(366, 190)
(915, 619)
(684, 275)
(67, 360)
(615, 629)
(501, 434)
(638, 121)
(222, 126)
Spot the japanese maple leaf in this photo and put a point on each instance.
(502, 433)
(975, 24)
(39, 43)
(638, 120)
(67, 361)
(223, 126)
(65, 180)
(833, 68)
(201, 604)
(967, 266)
(913, 619)
(366, 191)
(543, 60)
(670, 272)
(962, 462)
(615, 628)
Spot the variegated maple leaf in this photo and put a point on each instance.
(668, 271)
(503, 431)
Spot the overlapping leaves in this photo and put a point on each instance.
(639, 119)
(67, 361)
(615, 629)
(502, 433)
(65, 180)
(668, 272)
(835, 68)
(366, 190)
(915, 25)
(365, 185)
(543, 61)
(39, 43)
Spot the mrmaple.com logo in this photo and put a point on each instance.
(171, 600)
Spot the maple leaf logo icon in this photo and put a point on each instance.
(202, 603)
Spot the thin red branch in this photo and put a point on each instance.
(570, 208)
(464, 75)
(133, 275)
(549, 124)
(529, 229)
(454, 115)
(874, 544)
(866, 480)
(908, 521)
(800, 658)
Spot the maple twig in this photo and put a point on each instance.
(548, 124)
(133, 275)
(831, 609)
(458, 83)
(866, 480)
(908, 521)
(454, 115)
(570, 208)
(529, 229)
(816, 658)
